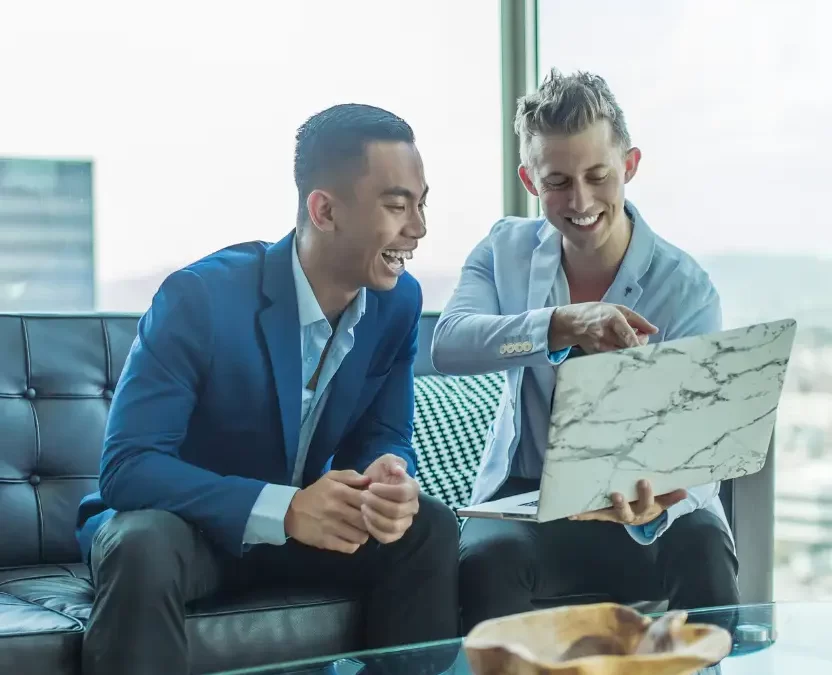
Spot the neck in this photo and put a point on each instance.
(598, 267)
(332, 295)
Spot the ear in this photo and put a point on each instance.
(631, 161)
(528, 183)
(319, 203)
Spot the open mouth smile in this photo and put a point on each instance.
(586, 221)
(394, 259)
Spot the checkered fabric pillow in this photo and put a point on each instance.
(453, 415)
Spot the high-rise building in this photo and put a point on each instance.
(46, 235)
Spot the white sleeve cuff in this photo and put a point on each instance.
(266, 524)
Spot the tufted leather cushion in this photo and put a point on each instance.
(56, 377)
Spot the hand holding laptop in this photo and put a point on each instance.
(647, 508)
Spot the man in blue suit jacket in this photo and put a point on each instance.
(591, 276)
(261, 429)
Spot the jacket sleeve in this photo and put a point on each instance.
(151, 408)
(472, 337)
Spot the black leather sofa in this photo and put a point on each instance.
(57, 375)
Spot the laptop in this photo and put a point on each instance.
(679, 413)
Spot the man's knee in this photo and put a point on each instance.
(140, 545)
(701, 536)
(497, 557)
(700, 561)
(435, 526)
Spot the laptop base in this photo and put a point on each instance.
(517, 507)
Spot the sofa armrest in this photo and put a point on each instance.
(753, 523)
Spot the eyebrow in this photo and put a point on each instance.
(594, 167)
(399, 191)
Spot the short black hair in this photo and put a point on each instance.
(332, 142)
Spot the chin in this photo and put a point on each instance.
(381, 285)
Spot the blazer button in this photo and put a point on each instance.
(510, 349)
(503, 349)
(527, 346)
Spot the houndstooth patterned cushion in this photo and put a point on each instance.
(452, 418)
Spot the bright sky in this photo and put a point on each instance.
(188, 109)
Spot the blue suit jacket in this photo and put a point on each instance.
(207, 409)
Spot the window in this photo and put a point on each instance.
(189, 111)
(46, 235)
(730, 105)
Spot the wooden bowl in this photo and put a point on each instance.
(601, 639)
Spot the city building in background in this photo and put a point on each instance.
(46, 236)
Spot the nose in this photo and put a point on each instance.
(417, 225)
(579, 198)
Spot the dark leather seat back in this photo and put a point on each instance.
(57, 375)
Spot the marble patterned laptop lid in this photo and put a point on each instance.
(679, 413)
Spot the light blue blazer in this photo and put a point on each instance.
(500, 300)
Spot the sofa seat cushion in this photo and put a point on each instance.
(44, 610)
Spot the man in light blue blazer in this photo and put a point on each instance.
(260, 433)
(590, 276)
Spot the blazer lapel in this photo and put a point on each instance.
(544, 266)
(281, 332)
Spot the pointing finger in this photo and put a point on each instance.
(624, 333)
(637, 321)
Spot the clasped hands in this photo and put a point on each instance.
(343, 509)
(645, 509)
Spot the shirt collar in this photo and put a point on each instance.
(639, 253)
(309, 311)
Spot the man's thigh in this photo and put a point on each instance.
(157, 550)
(561, 557)
(700, 536)
(295, 562)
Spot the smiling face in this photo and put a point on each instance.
(580, 180)
(374, 223)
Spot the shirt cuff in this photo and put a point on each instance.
(266, 524)
(648, 533)
(558, 357)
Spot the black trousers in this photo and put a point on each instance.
(508, 567)
(147, 565)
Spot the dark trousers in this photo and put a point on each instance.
(508, 567)
(147, 565)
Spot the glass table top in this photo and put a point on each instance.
(769, 639)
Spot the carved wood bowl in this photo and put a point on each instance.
(600, 639)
